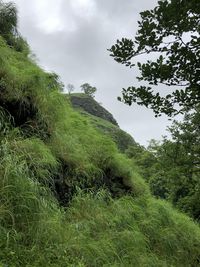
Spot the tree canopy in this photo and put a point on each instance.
(172, 167)
(170, 31)
(88, 89)
(54, 81)
(8, 18)
(70, 88)
(176, 174)
(8, 27)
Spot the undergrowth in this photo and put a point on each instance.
(67, 196)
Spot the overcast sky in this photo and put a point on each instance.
(71, 38)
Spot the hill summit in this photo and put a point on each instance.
(68, 196)
(91, 106)
(102, 120)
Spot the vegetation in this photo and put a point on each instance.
(172, 167)
(88, 89)
(70, 88)
(122, 139)
(102, 120)
(8, 15)
(88, 104)
(8, 27)
(67, 196)
(171, 31)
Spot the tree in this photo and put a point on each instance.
(70, 88)
(88, 89)
(172, 167)
(8, 28)
(54, 81)
(8, 18)
(143, 158)
(176, 173)
(171, 31)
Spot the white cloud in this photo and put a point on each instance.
(50, 24)
(84, 8)
(47, 14)
(71, 37)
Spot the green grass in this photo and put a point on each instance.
(122, 139)
(81, 95)
(110, 218)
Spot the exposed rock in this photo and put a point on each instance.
(102, 120)
(91, 106)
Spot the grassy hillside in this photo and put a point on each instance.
(91, 106)
(102, 120)
(68, 197)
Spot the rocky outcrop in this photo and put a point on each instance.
(91, 106)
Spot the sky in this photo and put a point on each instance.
(71, 38)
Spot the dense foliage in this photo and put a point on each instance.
(8, 19)
(8, 27)
(171, 32)
(172, 167)
(88, 89)
(67, 196)
(178, 167)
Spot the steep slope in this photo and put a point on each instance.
(68, 197)
(91, 106)
(102, 120)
